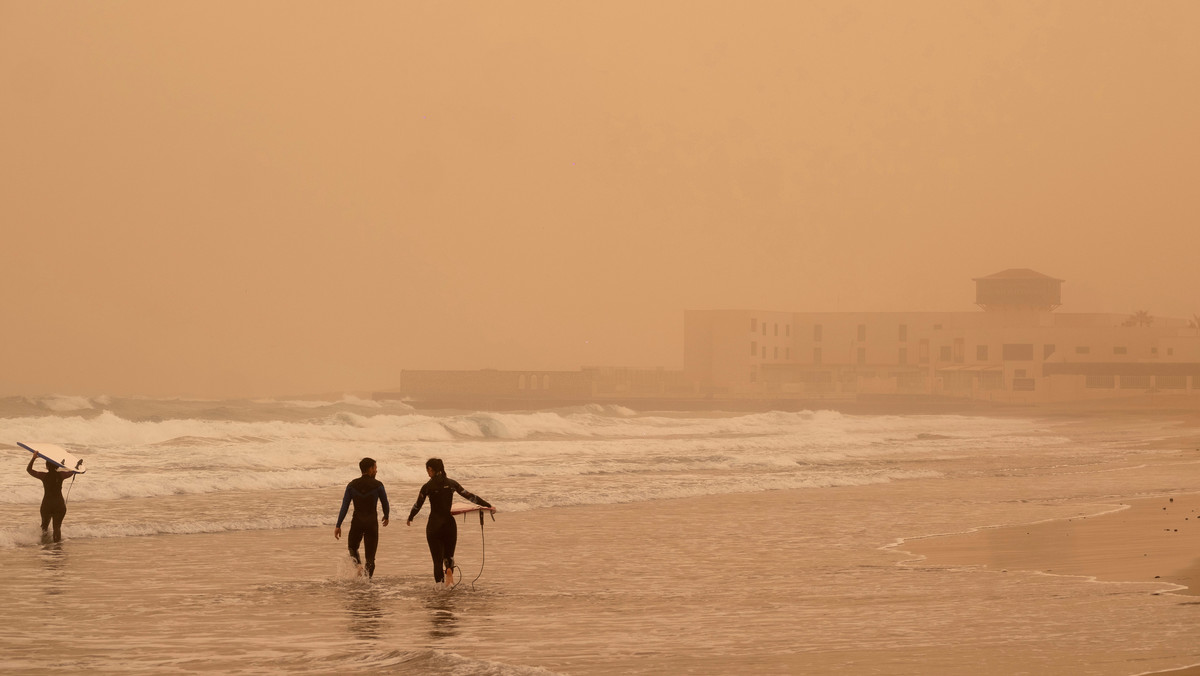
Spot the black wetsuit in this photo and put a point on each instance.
(442, 532)
(364, 492)
(54, 507)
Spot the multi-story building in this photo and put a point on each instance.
(1016, 348)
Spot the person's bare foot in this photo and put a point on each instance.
(449, 577)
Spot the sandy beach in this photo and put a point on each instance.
(1145, 540)
(1145, 543)
(677, 587)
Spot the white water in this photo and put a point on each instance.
(259, 468)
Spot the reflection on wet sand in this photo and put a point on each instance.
(366, 614)
(442, 615)
(54, 559)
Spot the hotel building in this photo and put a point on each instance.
(1016, 348)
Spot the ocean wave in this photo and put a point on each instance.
(364, 421)
(318, 509)
(62, 403)
(110, 429)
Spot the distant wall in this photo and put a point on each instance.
(489, 382)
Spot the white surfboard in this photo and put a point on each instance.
(57, 455)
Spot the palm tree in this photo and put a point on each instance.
(1139, 318)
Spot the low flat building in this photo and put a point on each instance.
(530, 389)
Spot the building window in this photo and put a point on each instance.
(1100, 382)
(787, 330)
(862, 355)
(1018, 373)
(923, 351)
(960, 350)
(816, 333)
(1170, 351)
(904, 333)
(1082, 349)
(862, 332)
(754, 348)
(764, 352)
(981, 353)
(1047, 350)
(937, 327)
(753, 324)
(1023, 384)
(1120, 350)
(1017, 352)
(764, 325)
(816, 355)
(944, 353)
(902, 358)
(533, 382)
(776, 355)
(1154, 350)
(777, 329)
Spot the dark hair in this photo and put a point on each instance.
(436, 465)
(366, 464)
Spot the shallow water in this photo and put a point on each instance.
(628, 544)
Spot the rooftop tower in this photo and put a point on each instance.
(1018, 290)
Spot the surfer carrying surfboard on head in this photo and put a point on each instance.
(442, 532)
(364, 492)
(54, 507)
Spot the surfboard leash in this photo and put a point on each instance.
(482, 547)
(69, 487)
(482, 551)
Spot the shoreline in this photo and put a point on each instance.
(1147, 405)
(1135, 541)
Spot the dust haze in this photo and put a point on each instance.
(244, 199)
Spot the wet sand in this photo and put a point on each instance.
(1145, 540)
(1149, 540)
(775, 582)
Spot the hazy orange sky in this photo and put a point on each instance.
(225, 198)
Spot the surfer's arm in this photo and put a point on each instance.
(384, 502)
(417, 507)
(345, 507)
(32, 473)
(471, 496)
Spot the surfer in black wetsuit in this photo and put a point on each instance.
(441, 532)
(364, 492)
(54, 507)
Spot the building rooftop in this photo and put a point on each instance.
(1018, 273)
